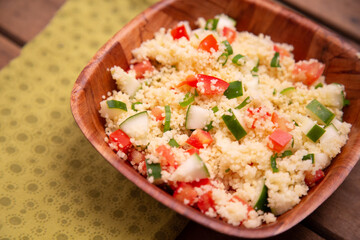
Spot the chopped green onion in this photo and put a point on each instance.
(310, 156)
(346, 102)
(244, 103)
(116, 104)
(196, 93)
(319, 85)
(256, 68)
(292, 142)
(315, 133)
(173, 143)
(275, 61)
(287, 90)
(223, 57)
(209, 126)
(187, 100)
(133, 106)
(197, 36)
(227, 170)
(236, 59)
(153, 170)
(233, 125)
(273, 163)
(320, 112)
(167, 118)
(274, 92)
(286, 153)
(215, 109)
(234, 90)
(211, 24)
(228, 48)
(295, 123)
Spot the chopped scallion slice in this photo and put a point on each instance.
(286, 153)
(236, 59)
(167, 118)
(233, 125)
(116, 104)
(244, 103)
(309, 156)
(274, 91)
(275, 61)
(133, 106)
(173, 143)
(223, 58)
(227, 170)
(228, 48)
(187, 100)
(273, 163)
(319, 85)
(255, 68)
(196, 93)
(234, 90)
(209, 126)
(215, 109)
(153, 170)
(197, 36)
(320, 112)
(315, 133)
(287, 90)
(211, 24)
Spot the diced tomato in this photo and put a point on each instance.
(258, 115)
(167, 156)
(279, 139)
(229, 33)
(136, 156)
(179, 32)
(201, 182)
(198, 138)
(282, 123)
(209, 43)
(308, 71)
(121, 140)
(191, 151)
(157, 112)
(208, 85)
(185, 193)
(206, 202)
(311, 179)
(282, 51)
(190, 80)
(142, 67)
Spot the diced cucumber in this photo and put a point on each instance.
(262, 199)
(306, 124)
(153, 170)
(111, 112)
(136, 126)
(333, 95)
(337, 123)
(225, 21)
(196, 117)
(116, 104)
(125, 82)
(320, 112)
(192, 169)
(328, 137)
(167, 118)
(233, 125)
(234, 90)
(315, 133)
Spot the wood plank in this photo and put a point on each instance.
(21, 20)
(197, 231)
(8, 51)
(338, 217)
(342, 15)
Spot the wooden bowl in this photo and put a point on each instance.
(310, 41)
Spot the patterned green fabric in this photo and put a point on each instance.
(53, 183)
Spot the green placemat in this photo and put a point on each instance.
(53, 183)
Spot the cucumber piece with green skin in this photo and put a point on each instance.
(234, 125)
(153, 171)
(136, 126)
(234, 90)
(192, 169)
(125, 82)
(288, 90)
(315, 133)
(320, 112)
(109, 111)
(262, 200)
(329, 136)
(196, 117)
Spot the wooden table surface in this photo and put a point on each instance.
(337, 218)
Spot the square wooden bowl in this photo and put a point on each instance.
(309, 40)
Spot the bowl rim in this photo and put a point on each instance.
(163, 197)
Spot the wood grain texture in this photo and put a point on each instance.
(22, 20)
(342, 15)
(8, 51)
(310, 41)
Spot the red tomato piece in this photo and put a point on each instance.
(201, 182)
(229, 33)
(157, 112)
(282, 123)
(142, 67)
(282, 51)
(209, 43)
(190, 80)
(179, 32)
(191, 151)
(198, 138)
(279, 139)
(121, 140)
(208, 85)
(167, 156)
(311, 179)
(136, 156)
(206, 202)
(308, 71)
(185, 193)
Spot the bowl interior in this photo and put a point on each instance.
(309, 41)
